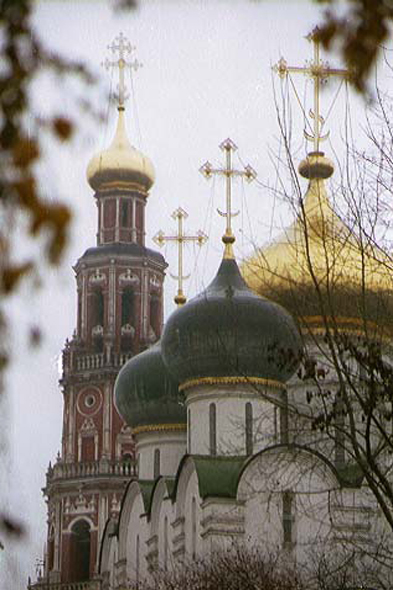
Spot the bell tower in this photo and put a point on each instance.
(119, 313)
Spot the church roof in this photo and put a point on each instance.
(120, 164)
(321, 252)
(145, 393)
(123, 249)
(218, 476)
(229, 331)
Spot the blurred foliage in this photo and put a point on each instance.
(360, 33)
(21, 196)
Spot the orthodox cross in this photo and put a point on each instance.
(180, 238)
(319, 71)
(122, 47)
(228, 146)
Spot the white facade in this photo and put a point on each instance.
(288, 496)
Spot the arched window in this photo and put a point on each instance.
(193, 528)
(249, 432)
(288, 519)
(189, 429)
(137, 560)
(127, 307)
(284, 434)
(80, 552)
(157, 466)
(97, 308)
(155, 319)
(125, 213)
(166, 542)
(213, 429)
(51, 549)
(339, 425)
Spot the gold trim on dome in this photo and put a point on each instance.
(337, 320)
(231, 380)
(123, 184)
(316, 325)
(158, 428)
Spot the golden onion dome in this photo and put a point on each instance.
(121, 165)
(319, 268)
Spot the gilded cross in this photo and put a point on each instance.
(319, 71)
(180, 238)
(228, 146)
(120, 48)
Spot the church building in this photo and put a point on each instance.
(204, 436)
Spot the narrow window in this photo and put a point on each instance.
(98, 308)
(88, 450)
(127, 307)
(275, 423)
(157, 466)
(193, 528)
(284, 418)
(166, 543)
(137, 558)
(189, 430)
(124, 213)
(155, 317)
(213, 429)
(287, 518)
(339, 424)
(79, 568)
(249, 433)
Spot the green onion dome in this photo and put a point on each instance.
(146, 396)
(227, 331)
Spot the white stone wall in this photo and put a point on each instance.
(171, 445)
(230, 401)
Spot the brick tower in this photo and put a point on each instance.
(119, 293)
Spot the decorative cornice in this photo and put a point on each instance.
(316, 325)
(230, 380)
(158, 428)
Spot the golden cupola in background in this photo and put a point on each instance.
(319, 268)
(120, 164)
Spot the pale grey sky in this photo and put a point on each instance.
(206, 75)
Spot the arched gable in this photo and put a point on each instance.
(287, 493)
(136, 490)
(160, 492)
(110, 531)
(185, 472)
(286, 456)
(134, 528)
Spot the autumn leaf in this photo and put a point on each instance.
(62, 128)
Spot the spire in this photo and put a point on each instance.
(319, 71)
(180, 238)
(121, 46)
(228, 146)
(121, 164)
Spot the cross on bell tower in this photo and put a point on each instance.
(319, 71)
(180, 238)
(228, 146)
(122, 47)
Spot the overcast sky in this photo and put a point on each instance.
(206, 76)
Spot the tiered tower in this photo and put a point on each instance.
(119, 314)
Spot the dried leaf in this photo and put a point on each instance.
(11, 276)
(62, 128)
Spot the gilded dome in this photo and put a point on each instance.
(319, 266)
(228, 331)
(145, 393)
(121, 164)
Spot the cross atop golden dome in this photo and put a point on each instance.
(228, 146)
(121, 166)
